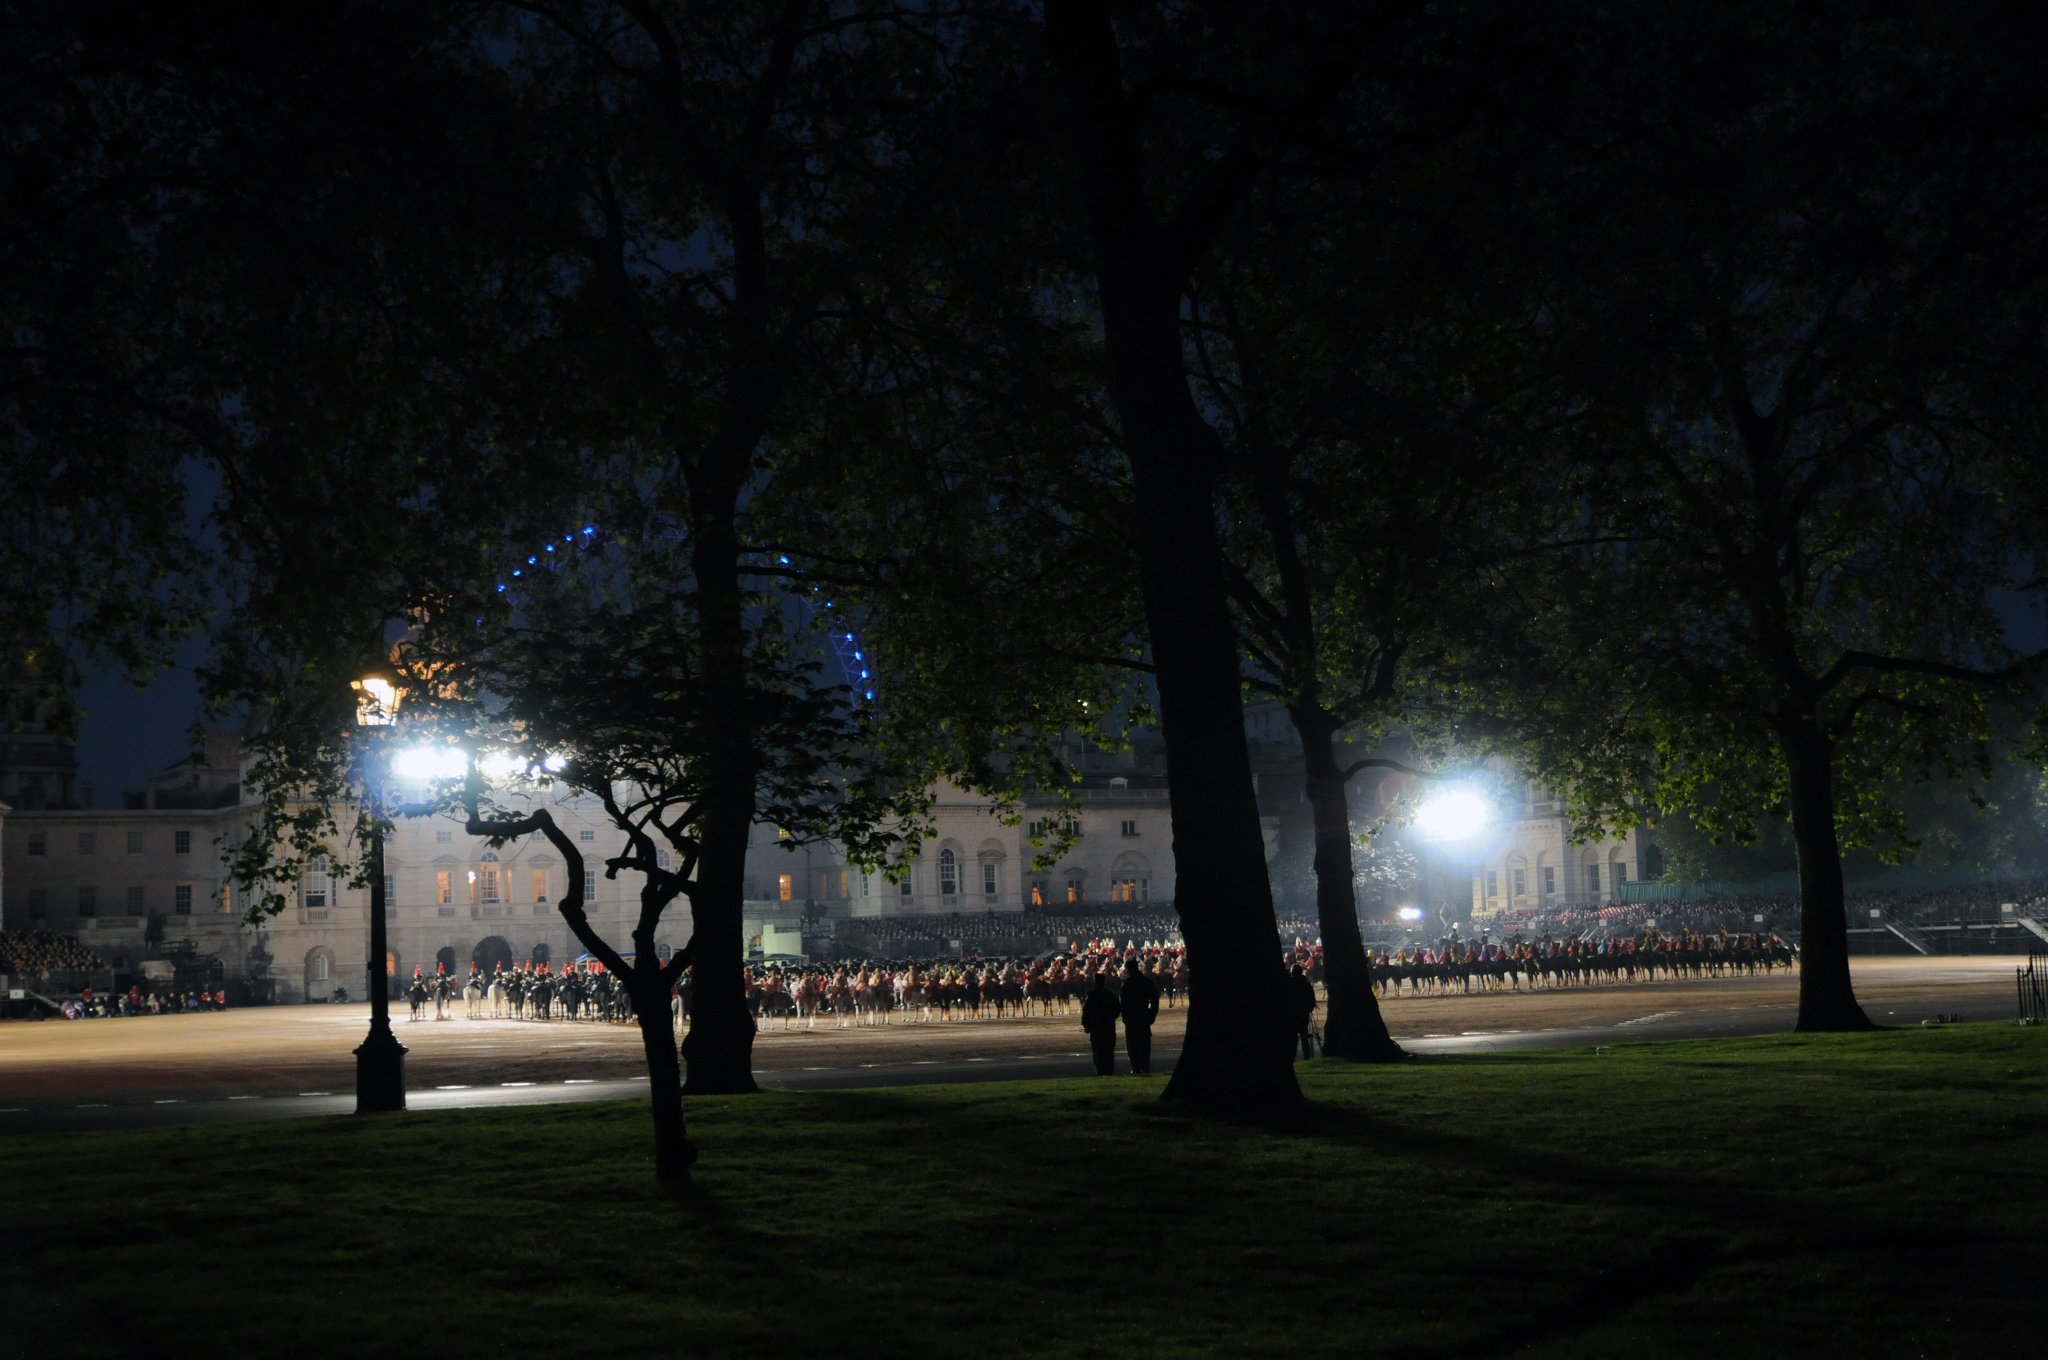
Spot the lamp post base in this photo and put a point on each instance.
(380, 1071)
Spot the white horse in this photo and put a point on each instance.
(501, 1000)
(473, 995)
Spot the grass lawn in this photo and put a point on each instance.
(1873, 1195)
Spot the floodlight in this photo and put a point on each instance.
(426, 764)
(500, 765)
(1411, 913)
(1456, 814)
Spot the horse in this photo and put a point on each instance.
(473, 993)
(417, 994)
(501, 1000)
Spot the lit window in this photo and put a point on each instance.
(486, 880)
(1073, 890)
(540, 885)
(785, 886)
(444, 888)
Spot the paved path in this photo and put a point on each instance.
(295, 1061)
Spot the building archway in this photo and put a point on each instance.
(444, 959)
(319, 974)
(541, 953)
(491, 954)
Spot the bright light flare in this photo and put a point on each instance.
(1454, 815)
(1411, 913)
(430, 764)
(501, 765)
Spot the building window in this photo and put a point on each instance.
(390, 893)
(1549, 880)
(1521, 882)
(785, 887)
(135, 842)
(949, 874)
(1073, 890)
(316, 883)
(540, 885)
(845, 884)
(444, 888)
(38, 903)
(1130, 828)
(989, 879)
(486, 880)
(316, 970)
(1492, 884)
(38, 843)
(181, 899)
(1038, 897)
(1593, 879)
(903, 888)
(444, 837)
(85, 843)
(135, 900)
(662, 859)
(589, 881)
(586, 834)
(1620, 875)
(181, 842)
(88, 901)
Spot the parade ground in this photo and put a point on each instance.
(272, 1061)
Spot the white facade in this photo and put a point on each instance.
(1533, 864)
(974, 863)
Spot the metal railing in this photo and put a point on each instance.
(2033, 987)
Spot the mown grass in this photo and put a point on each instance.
(1876, 1195)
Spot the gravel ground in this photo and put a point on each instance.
(300, 1049)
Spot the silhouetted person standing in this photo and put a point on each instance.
(1140, 1009)
(1301, 995)
(1098, 1017)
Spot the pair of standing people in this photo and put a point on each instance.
(1138, 1008)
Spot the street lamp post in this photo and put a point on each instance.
(380, 1059)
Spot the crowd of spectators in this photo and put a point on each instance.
(39, 953)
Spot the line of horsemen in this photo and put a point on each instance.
(1515, 963)
(874, 992)
(879, 992)
(534, 991)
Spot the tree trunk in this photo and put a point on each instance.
(673, 1151)
(1353, 1027)
(719, 1049)
(1827, 1001)
(1238, 1055)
